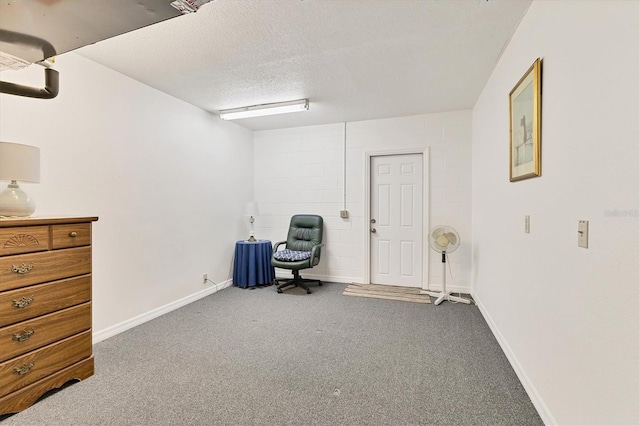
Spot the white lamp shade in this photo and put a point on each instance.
(19, 162)
(251, 209)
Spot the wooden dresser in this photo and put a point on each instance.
(45, 307)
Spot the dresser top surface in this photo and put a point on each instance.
(8, 222)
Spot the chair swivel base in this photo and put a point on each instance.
(297, 281)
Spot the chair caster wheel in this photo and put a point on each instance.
(320, 283)
(308, 291)
(279, 291)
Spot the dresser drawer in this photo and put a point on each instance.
(26, 239)
(18, 339)
(29, 302)
(21, 371)
(27, 269)
(76, 235)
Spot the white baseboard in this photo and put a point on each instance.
(284, 274)
(535, 397)
(451, 288)
(104, 334)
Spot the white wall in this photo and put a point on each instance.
(300, 170)
(154, 169)
(566, 316)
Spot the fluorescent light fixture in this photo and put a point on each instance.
(265, 109)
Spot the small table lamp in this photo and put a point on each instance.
(252, 211)
(18, 163)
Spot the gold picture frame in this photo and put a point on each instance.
(524, 125)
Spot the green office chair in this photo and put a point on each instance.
(301, 250)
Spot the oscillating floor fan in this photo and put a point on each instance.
(444, 240)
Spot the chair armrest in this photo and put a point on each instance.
(276, 245)
(314, 248)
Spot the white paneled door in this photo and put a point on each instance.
(396, 220)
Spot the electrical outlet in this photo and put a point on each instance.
(583, 233)
(344, 214)
(527, 224)
(205, 278)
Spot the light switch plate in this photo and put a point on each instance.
(344, 214)
(583, 233)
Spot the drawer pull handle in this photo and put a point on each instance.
(22, 303)
(73, 234)
(24, 369)
(22, 269)
(24, 335)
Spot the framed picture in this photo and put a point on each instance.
(524, 125)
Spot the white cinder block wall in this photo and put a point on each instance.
(567, 317)
(153, 168)
(300, 170)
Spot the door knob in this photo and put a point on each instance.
(373, 230)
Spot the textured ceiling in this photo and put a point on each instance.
(353, 59)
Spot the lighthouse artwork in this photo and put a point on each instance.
(524, 117)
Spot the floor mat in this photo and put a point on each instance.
(390, 292)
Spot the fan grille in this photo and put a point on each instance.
(444, 239)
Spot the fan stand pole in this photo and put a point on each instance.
(444, 294)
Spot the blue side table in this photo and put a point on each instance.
(252, 264)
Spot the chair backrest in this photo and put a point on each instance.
(305, 231)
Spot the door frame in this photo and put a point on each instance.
(426, 214)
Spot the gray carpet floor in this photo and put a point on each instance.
(255, 357)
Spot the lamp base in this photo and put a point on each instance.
(252, 239)
(14, 202)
